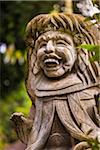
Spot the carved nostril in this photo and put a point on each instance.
(49, 51)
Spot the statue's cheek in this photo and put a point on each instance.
(62, 52)
(40, 56)
(41, 52)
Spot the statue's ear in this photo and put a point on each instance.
(30, 76)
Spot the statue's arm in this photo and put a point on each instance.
(23, 125)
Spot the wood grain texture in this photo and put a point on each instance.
(62, 83)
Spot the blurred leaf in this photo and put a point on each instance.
(92, 48)
(94, 144)
(96, 57)
(18, 54)
(88, 18)
(95, 19)
(96, 16)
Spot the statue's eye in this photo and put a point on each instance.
(40, 45)
(61, 42)
(43, 44)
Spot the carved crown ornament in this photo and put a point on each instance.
(62, 83)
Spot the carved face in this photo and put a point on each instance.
(55, 53)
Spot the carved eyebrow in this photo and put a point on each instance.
(45, 38)
(39, 40)
(65, 38)
(60, 41)
(67, 41)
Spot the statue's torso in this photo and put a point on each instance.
(60, 138)
(57, 91)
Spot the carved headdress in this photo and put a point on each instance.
(71, 23)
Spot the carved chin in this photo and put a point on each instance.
(54, 73)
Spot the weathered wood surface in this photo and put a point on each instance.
(62, 83)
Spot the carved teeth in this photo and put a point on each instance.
(51, 61)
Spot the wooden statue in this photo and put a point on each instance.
(62, 83)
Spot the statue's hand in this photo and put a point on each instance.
(22, 126)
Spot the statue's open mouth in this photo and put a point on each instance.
(52, 62)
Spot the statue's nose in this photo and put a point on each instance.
(50, 47)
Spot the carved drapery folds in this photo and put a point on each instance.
(62, 83)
